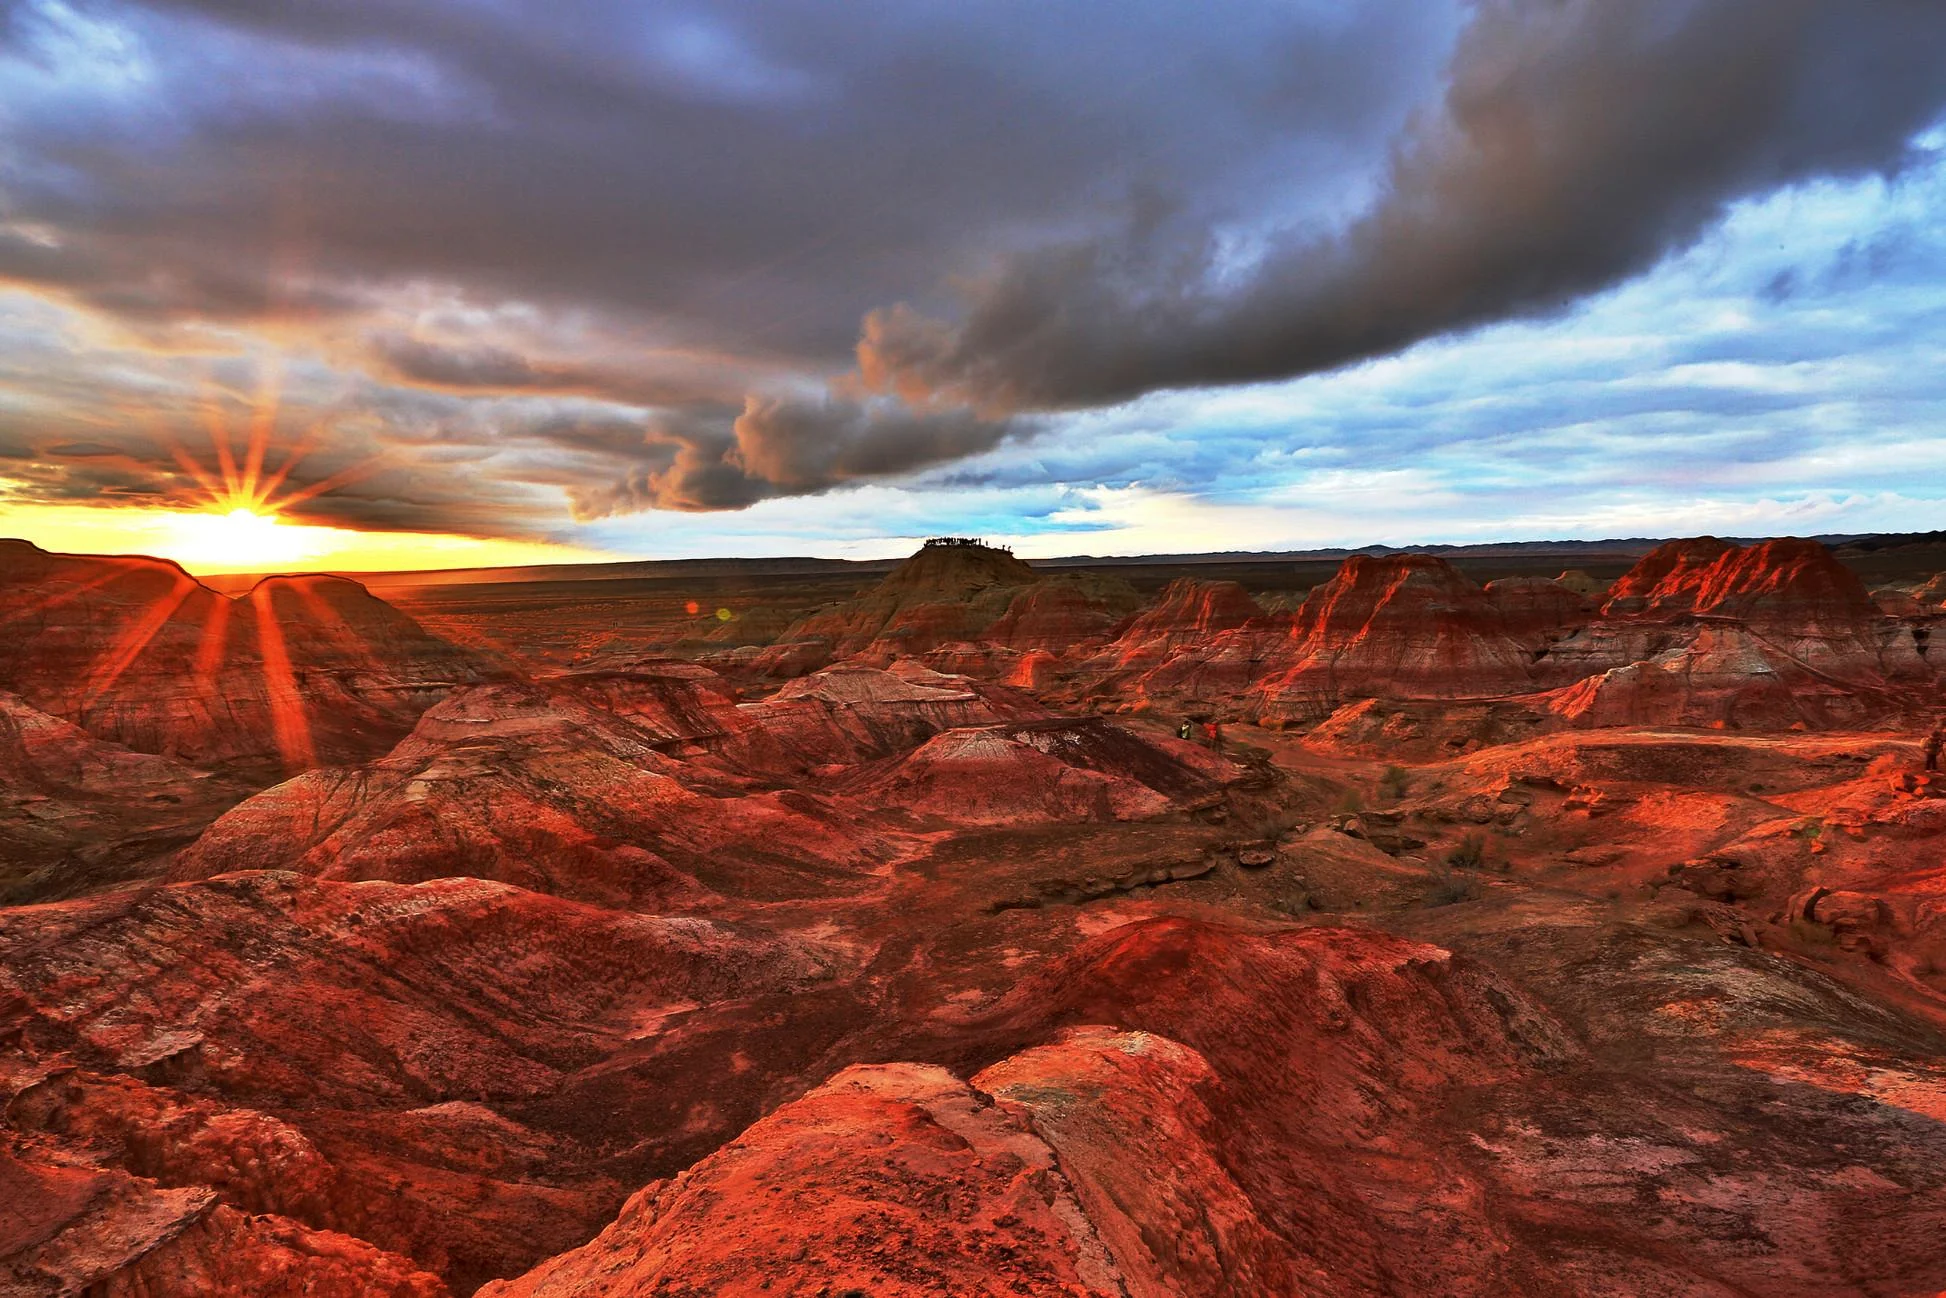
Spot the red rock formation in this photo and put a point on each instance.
(1896, 601)
(1535, 611)
(534, 787)
(1066, 770)
(1189, 611)
(941, 594)
(848, 714)
(76, 812)
(137, 652)
(895, 1180)
(1064, 614)
(72, 1229)
(1702, 632)
(1665, 577)
(1726, 676)
(1405, 625)
(326, 1052)
(1209, 1150)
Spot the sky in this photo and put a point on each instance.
(431, 283)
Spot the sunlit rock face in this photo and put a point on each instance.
(1409, 625)
(327, 1058)
(135, 651)
(1772, 635)
(540, 788)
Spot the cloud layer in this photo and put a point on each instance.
(525, 270)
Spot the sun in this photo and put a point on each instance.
(241, 539)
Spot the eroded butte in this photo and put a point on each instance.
(839, 933)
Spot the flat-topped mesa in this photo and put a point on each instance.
(948, 591)
(1400, 625)
(953, 568)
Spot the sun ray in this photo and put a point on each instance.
(215, 639)
(288, 721)
(354, 473)
(129, 646)
(122, 567)
(219, 436)
(263, 419)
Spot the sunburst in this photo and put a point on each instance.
(240, 523)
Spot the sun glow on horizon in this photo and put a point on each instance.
(234, 520)
(240, 540)
(243, 540)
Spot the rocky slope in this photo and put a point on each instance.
(77, 813)
(898, 980)
(326, 1053)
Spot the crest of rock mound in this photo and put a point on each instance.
(858, 686)
(1352, 1019)
(1665, 576)
(1190, 609)
(1163, 652)
(850, 713)
(1102, 1164)
(1400, 625)
(1933, 593)
(1804, 625)
(1785, 582)
(1726, 676)
(974, 1199)
(535, 788)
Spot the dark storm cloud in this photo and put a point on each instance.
(1579, 141)
(787, 447)
(764, 172)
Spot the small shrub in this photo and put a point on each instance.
(1350, 802)
(1470, 853)
(1449, 889)
(1394, 782)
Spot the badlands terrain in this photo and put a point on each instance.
(1532, 927)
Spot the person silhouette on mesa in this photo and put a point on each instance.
(1183, 731)
(1934, 742)
(1214, 733)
